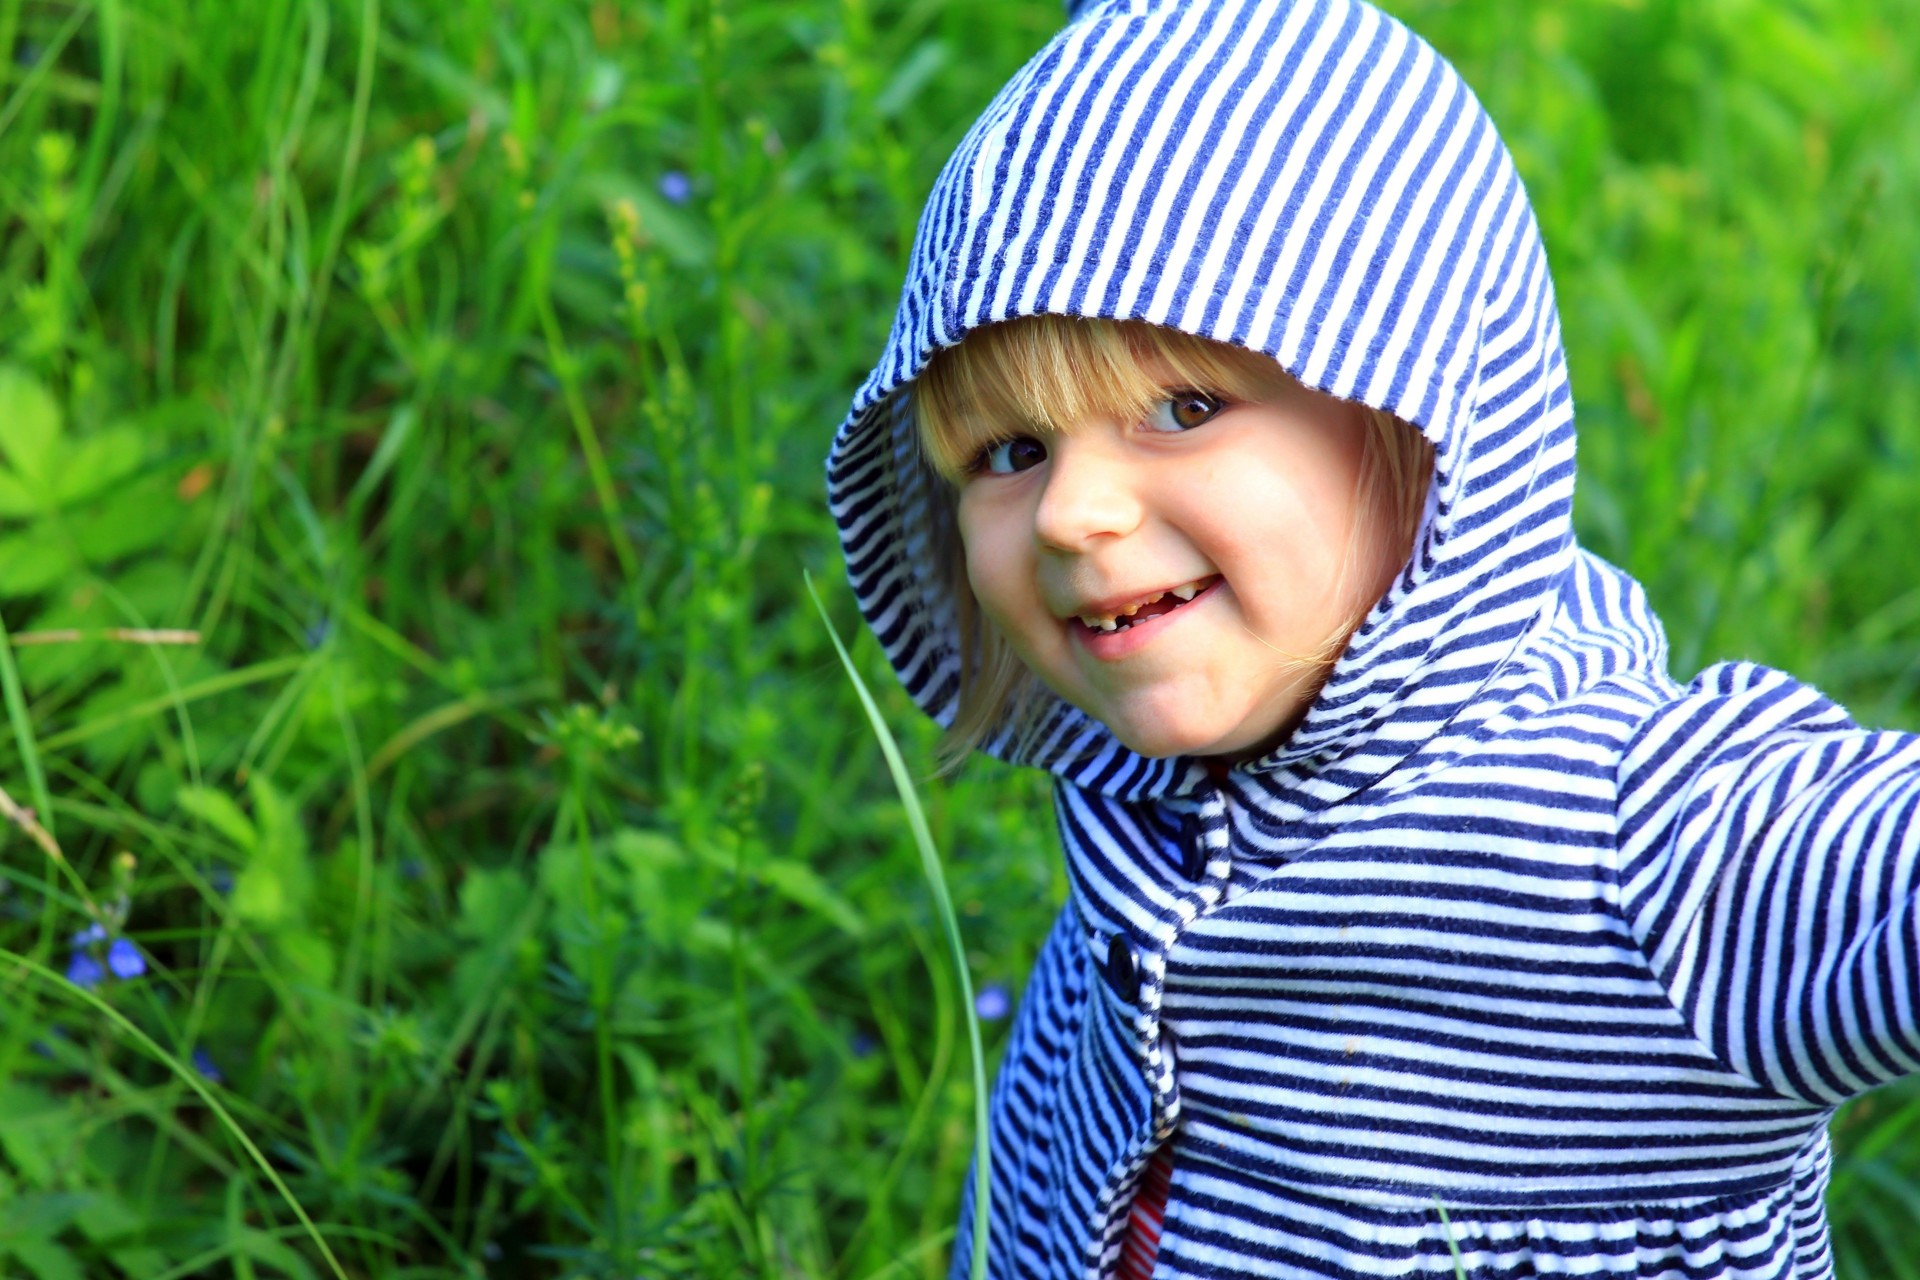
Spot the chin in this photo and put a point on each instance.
(1160, 741)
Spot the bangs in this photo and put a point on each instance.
(1044, 374)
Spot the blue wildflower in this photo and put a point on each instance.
(203, 1063)
(125, 959)
(85, 971)
(862, 1044)
(993, 1002)
(676, 186)
(84, 968)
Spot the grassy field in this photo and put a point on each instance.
(500, 879)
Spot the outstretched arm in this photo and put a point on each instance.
(1769, 863)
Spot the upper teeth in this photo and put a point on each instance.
(1105, 622)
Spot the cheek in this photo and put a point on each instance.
(1332, 501)
(994, 568)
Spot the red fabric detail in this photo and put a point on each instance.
(1143, 1225)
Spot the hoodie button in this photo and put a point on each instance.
(1122, 972)
(1193, 848)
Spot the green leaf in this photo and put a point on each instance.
(42, 1213)
(261, 1247)
(309, 956)
(490, 901)
(274, 886)
(800, 884)
(641, 849)
(281, 835)
(17, 500)
(33, 561)
(133, 519)
(45, 1260)
(399, 430)
(920, 66)
(36, 1132)
(218, 810)
(29, 429)
(260, 895)
(97, 463)
(107, 1220)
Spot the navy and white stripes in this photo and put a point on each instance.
(1512, 924)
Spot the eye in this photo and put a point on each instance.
(1008, 456)
(1183, 410)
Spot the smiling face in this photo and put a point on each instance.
(1186, 574)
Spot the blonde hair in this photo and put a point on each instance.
(1049, 373)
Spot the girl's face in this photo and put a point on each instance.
(1182, 579)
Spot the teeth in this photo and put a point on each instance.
(1116, 622)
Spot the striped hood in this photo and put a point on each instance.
(1305, 179)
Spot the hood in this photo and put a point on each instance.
(1306, 180)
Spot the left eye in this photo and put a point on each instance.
(1183, 410)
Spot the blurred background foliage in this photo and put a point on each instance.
(502, 854)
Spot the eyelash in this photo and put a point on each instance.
(977, 465)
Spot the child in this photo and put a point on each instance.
(1220, 463)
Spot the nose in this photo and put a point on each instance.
(1090, 494)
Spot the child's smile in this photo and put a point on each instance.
(1187, 578)
(1107, 618)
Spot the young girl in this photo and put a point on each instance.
(1220, 463)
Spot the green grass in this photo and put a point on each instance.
(510, 841)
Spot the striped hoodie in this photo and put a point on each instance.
(1516, 947)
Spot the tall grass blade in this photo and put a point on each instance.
(949, 924)
(1453, 1246)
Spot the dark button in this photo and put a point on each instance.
(1193, 847)
(1122, 972)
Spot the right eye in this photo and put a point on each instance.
(1011, 455)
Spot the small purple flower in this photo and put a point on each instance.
(125, 959)
(203, 1063)
(88, 936)
(862, 1044)
(993, 1002)
(85, 971)
(676, 186)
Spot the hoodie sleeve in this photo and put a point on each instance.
(1769, 864)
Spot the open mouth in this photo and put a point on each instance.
(1144, 610)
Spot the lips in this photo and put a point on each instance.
(1102, 622)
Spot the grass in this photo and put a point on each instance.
(508, 855)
